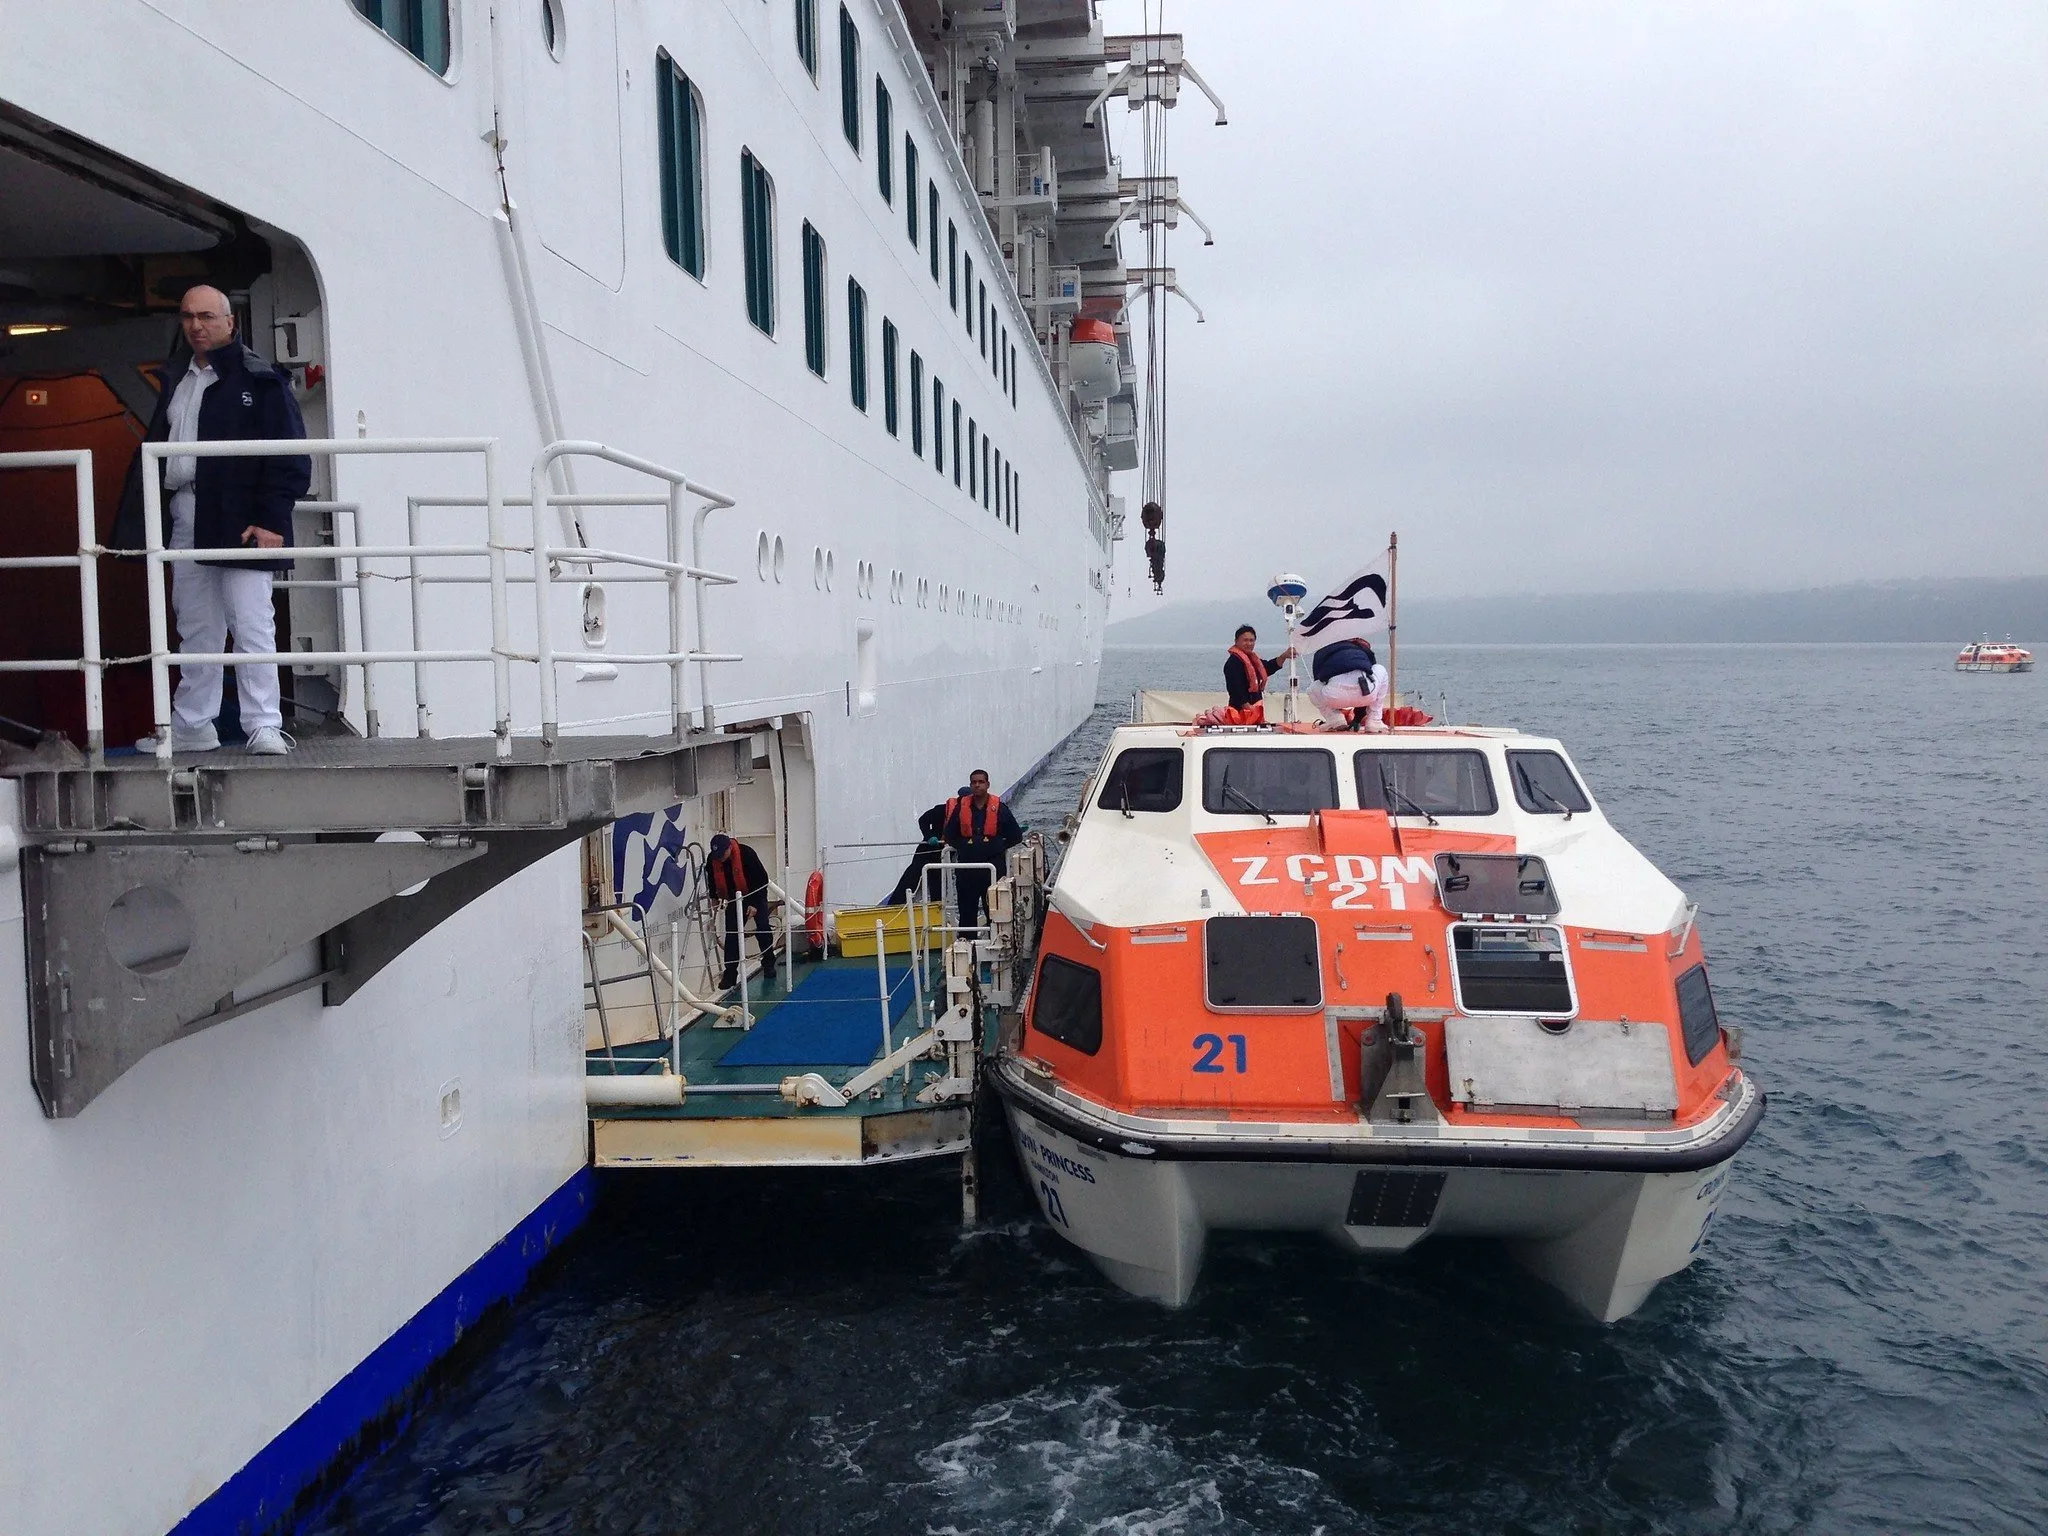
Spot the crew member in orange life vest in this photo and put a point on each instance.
(1243, 673)
(732, 869)
(979, 830)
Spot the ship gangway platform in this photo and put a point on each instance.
(867, 1052)
(164, 891)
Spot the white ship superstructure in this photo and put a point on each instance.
(821, 264)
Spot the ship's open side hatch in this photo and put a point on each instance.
(153, 899)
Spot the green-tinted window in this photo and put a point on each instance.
(956, 442)
(967, 286)
(974, 458)
(682, 166)
(885, 146)
(910, 187)
(932, 224)
(807, 34)
(938, 425)
(917, 405)
(953, 264)
(857, 343)
(849, 78)
(981, 313)
(420, 27)
(757, 229)
(889, 375)
(814, 299)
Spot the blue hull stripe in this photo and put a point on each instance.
(264, 1493)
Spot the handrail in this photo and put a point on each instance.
(542, 497)
(352, 571)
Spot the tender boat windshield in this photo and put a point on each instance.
(1454, 783)
(1144, 779)
(1544, 784)
(1277, 781)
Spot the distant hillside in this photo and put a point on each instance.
(1948, 611)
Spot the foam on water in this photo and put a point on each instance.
(1862, 1347)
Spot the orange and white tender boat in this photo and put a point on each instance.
(1994, 656)
(1381, 987)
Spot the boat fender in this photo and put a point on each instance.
(814, 911)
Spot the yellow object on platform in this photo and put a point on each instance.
(856, 926)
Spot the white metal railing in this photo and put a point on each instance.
(86, 562)
(354, 569)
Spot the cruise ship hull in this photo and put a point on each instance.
(244, 1253)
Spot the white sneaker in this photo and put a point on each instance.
(269, 741)
(203, 739)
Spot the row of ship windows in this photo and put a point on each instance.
(977, 466)
(771, 559)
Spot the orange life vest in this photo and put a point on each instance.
(1254, 672)
(732, 869)
(965, 804)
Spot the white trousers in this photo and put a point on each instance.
(212, 601)
(1347, 691)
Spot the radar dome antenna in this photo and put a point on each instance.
(1286, 592)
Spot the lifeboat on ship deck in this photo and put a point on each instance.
(1379, 987)
(1094, 368)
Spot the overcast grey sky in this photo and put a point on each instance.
(1607, 296)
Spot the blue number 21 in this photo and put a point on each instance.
(1209, 1052)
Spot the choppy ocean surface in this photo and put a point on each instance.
(1862, 1347)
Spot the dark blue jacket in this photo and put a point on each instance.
(249, 398)
(968, 843)
(1341, 657)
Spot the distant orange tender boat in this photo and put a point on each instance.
(1994, 656)
(1381, 987)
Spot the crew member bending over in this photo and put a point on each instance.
(979, 830)
(931, 828)
(1244, 674)
(736, 878)
(1350, 686)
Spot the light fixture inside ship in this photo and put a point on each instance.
(36, 328)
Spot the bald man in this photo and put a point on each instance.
(215, 389)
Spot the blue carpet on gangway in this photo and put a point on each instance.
(833, 1018)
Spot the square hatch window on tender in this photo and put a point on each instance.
(1262, 964)
(1512, 970)
(1268, 781)
(1453, 783)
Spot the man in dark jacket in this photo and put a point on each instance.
(980, 830)
(1244, 673)
(1350, 686)
(931, 827)
(733, 870)
(216, 389)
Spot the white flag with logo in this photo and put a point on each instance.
(1355, 611)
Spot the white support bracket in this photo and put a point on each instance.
(810, 1089)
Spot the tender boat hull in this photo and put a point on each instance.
(1603, 1237)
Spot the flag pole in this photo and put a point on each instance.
(1393, 621)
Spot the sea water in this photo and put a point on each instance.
(1863, 1345)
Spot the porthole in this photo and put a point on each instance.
(944, 593)
(761, 555)
(776, 563)
(831, 569)
(551, 26)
